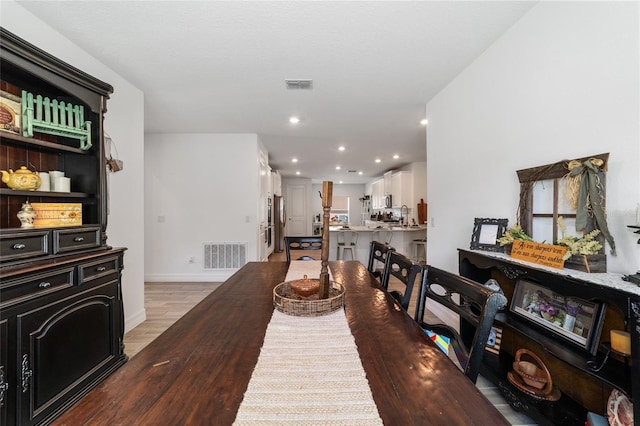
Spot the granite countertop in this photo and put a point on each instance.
(606, 279)
(394, 228)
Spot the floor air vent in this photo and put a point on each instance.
(225, 255)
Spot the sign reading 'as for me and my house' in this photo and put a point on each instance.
(542, 254)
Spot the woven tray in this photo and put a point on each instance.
(287, 301)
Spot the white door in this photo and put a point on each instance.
(296, 210)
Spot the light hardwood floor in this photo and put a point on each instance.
(165, 303)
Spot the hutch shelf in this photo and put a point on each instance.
(575, 370)
(61, 311)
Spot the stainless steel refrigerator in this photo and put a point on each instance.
(280, 219)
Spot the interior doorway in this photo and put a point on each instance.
(296, 210)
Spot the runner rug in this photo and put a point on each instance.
(308, 372)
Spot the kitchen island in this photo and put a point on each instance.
(401, 239)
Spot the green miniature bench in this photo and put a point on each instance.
(41, 114)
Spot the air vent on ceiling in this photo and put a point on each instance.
(352, 171)
(299, 84)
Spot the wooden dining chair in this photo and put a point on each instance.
(473, 301)
(405, 270)
(378, 254)
(302, 243)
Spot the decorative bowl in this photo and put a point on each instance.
(306, 286)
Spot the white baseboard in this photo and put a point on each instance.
(217, 276)
(132, 321)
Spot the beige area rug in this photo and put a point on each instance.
(308, 372)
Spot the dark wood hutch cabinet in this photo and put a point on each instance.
(61, 311)
(573, 370)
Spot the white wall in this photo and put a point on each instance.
(124, 122)
(198, 188)
(562, 83)
(353, 191)
(419, 174)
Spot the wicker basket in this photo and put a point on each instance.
(286, 301)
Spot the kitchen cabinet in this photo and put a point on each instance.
(388, 182)
(276, 180)
(61, 310)
(377, 194)
(402, 189)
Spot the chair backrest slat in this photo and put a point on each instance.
(473, 301)
(405, 270)
(378, 253)
(302, 243)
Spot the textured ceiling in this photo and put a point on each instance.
(219, 67)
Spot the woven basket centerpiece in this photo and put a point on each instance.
(301, 298)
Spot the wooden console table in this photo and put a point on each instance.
(583, 389)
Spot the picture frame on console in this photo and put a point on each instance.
(486, 232)
(572, 319)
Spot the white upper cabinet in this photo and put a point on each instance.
(276, 183)
(402, 189)
(377, 194)
(388, 183)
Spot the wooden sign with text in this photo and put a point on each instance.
(542, 254)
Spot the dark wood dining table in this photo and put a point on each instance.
(197, 371)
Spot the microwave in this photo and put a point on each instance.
(387, 201)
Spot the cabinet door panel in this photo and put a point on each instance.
(64, 346)
(5, 388)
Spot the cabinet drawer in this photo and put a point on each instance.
(66, 240)
(100, 268)
(32, 286)
(22, 245)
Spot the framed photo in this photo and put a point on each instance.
(10, 112)
(574, 320)
(486, 233)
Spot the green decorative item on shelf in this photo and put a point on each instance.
(583, 253)
(512, 234)
(50, 116)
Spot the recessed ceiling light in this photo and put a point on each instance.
(337, 167)
(341, 148)
(424, 121)
(396, 156)
(294, 160)
(298, 172)
(340, 182)
(294, 120)
(378, 160)
(360, 173)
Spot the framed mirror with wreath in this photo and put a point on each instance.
(572, 189)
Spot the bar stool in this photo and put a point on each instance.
(416, 250)
(347, 240)
(382, 235)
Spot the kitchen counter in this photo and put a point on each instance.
(402, 239)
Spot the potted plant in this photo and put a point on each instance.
(583, 253)
(512, 234)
